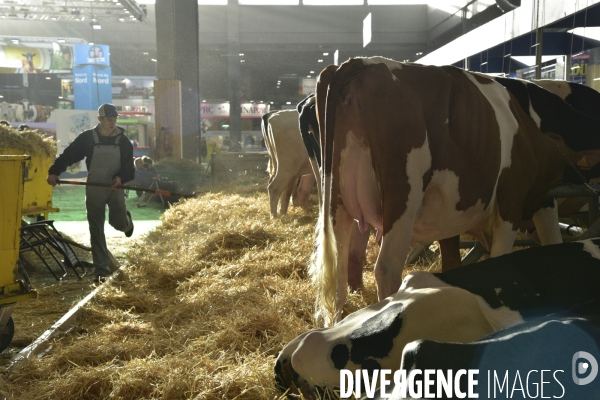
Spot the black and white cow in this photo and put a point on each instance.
(309, 129)
(580, 131)
(580, 97)
(537, 359)
(456, 306)
(26, 111)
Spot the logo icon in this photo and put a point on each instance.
(580, 367)
(96, 52)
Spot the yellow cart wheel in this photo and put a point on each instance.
(6, 334)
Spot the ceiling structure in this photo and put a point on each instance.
(72, 10)
(280, 44)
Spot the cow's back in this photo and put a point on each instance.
(581, 97)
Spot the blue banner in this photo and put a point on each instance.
(91, 54)
(92, 86)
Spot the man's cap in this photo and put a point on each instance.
(107, 110)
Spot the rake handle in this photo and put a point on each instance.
(154, 191)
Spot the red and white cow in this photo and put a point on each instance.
(309, 129)
(424, 153)
(290, 173)
(43, 113)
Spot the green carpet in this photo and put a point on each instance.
(71, 202)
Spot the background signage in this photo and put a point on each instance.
(92, 54)
(249, 110)
(92, 86)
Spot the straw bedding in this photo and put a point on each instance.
(201, 310)
(29, 141)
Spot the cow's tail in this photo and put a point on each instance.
(325, 268)
(264, 126)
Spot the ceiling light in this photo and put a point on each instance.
(212, 2)
(145, 53)
(15, 41)
(60, 40)
(121, 19)
(312, 72)
(419, 53)
(333, 2)
(308, 76)
(241, 54)
(153, 59)
(96, 25)
(269, 2)
(271, 102)
(394, 2)
(326, 54)
(319, 60)
(242, 60)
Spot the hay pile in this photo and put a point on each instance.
(187, 173)
(29, 141)
(181, 164)
(201, 311)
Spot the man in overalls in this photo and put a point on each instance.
(109, 158)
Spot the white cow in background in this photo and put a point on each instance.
(290, 173)
(7, 111)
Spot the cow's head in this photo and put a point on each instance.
(311, 363)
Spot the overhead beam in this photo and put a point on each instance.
(511, 25)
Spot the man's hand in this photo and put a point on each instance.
(53, 180)
(116, 183)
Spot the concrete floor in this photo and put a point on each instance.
(116, 241)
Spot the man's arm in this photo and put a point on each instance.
(75, 152)
(127, 171)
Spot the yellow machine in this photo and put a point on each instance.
(37, 195)
(12, 290)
